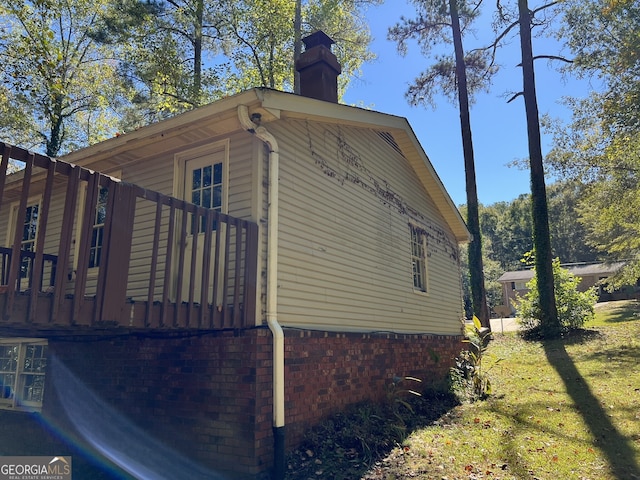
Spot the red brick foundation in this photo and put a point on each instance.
(205, 397)
(326, 371)
(208, 397)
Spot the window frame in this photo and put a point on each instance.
(91, 270)
(418, 257)
(180, 163)
(11, 231)
(21, 374)
(97, 231)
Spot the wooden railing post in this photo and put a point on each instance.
(117, 253)
(64, 245)
(86, 233)
(38, 262)
(4, 163)
(16, 260)
(251, 275)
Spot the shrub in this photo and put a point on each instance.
(574, 307)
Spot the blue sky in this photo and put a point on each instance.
(498, 128)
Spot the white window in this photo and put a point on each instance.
(204, 185)
(29, 228)
(201, 177)
(97, 232)
(23, 362)
(419, 258)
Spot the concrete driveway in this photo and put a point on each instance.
(501, 325)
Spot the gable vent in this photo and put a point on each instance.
(387, 137)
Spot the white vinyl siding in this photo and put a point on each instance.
(160, 178)
(346, 199)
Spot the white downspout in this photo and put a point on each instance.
(272, 287)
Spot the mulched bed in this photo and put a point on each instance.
(360, 442)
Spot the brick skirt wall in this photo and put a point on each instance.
(198, 402)
(202, 404)
(326, 371)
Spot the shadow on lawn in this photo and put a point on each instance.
(628, 311)
(615, 446)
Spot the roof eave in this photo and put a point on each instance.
(274, 103)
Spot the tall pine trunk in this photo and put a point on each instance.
(549, 324)
(297, 45)
(476, 271)
(196, 92)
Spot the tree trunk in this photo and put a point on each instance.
(549, 324)
(478, 294)
(196, 93)
(297, 45)
(56, 130)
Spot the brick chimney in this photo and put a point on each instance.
(318, 68)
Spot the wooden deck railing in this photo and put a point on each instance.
(174, 287)
(26, 268)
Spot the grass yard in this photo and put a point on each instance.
(566, 409)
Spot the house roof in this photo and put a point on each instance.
(220, 117)
(579, 270)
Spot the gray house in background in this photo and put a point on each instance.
(514, 283)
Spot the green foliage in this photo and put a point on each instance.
(58, 84)
(507, 235)
(398, 399)
(600, 147)
(77, 71)
(431, 28)
(396, 390)
(186, 53)
(469, 379)
(574, 307)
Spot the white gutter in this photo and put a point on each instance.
(272, 284)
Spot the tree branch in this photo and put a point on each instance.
(515, 96)
(549, 57)
(553, 57)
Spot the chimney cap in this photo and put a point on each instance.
(317, 38)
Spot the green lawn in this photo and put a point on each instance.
(566, 409)
(560, 410)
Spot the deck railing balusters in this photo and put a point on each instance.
(227, 279)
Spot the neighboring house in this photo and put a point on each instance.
(202, 285)
(514, 283)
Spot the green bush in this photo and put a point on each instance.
(574, 307)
